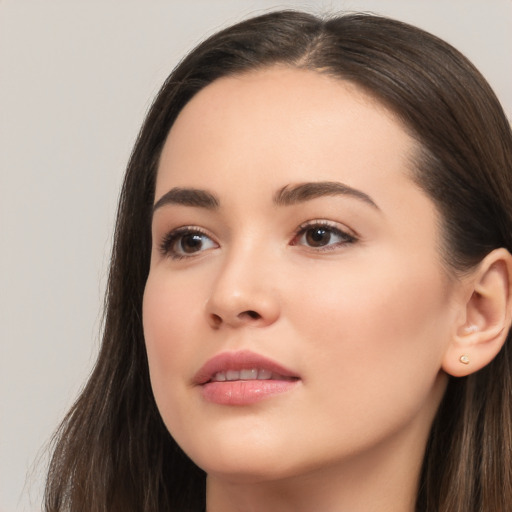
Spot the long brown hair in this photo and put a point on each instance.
(113, 453)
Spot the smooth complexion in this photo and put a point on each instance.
(341, 284)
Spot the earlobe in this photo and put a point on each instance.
(488, 315)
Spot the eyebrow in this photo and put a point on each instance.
(286, 196)
(290, 195)
(188, 197)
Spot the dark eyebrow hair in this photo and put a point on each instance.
(188, 197)
(293, 194)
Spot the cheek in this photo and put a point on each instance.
(170, 312)
(374, 334)
(390, 300)
(171, 308)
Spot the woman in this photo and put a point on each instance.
(309, 299)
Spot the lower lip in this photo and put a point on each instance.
(244, 392)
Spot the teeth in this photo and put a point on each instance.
(264, 374)
(232, 375)
(249, 374)
(246, 374)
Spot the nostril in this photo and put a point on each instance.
(216, 319)
(251, 314)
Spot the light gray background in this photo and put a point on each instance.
(75, 81)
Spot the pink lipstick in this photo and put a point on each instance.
(243, 378)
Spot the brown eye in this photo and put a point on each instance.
(320, 236)
(317, 237)
(185, 242)
(190, 243)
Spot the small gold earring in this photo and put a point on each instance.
(464, 359)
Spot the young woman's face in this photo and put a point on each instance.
(296, 310)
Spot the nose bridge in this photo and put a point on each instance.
(244, 291)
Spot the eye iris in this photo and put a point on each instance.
(317, 237)
(191, 243)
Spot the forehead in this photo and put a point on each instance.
(282, 104)
(284, 125)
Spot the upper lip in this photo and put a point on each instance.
(240, 360)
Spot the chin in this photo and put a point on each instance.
(234, 461)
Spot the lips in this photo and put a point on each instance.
(242, 378)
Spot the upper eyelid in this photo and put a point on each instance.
(186, 229)
(304, 225)
(335, 226)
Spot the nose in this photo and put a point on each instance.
(243, 294)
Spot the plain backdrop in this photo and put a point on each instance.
(76, 79)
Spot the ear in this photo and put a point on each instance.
(485, 322)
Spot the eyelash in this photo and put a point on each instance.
(346, 238)
(167, 245)
(170, 239)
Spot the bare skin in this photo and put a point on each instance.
(341, 284)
